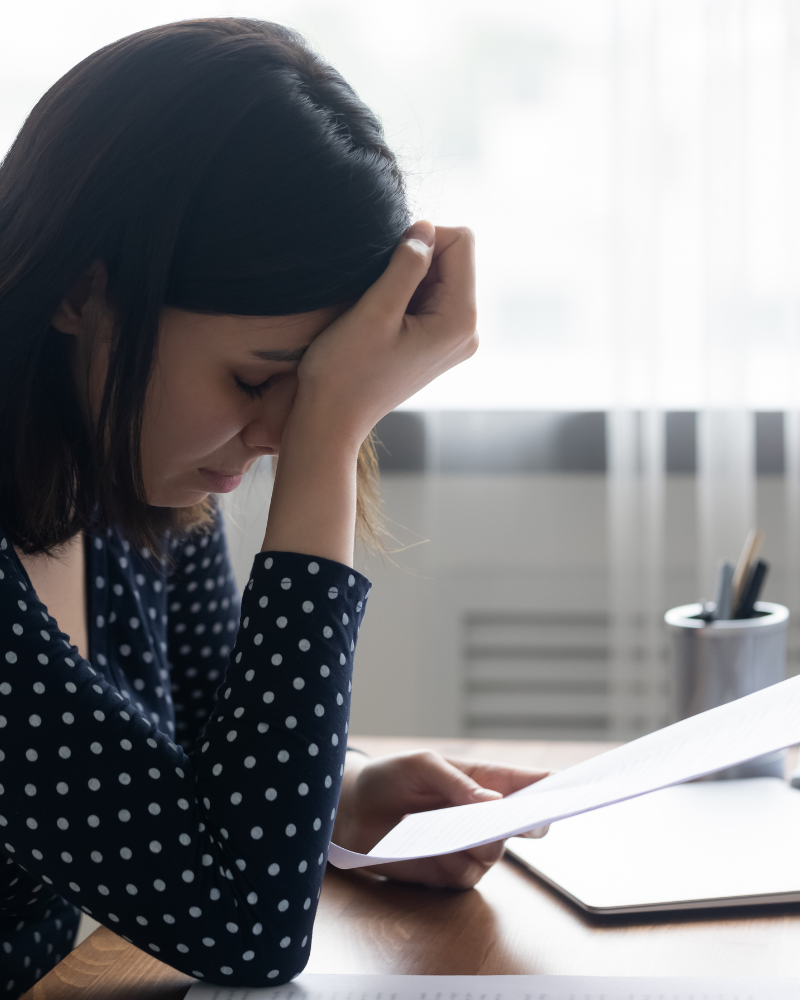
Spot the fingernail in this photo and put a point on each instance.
(486, 793)
(422, 231)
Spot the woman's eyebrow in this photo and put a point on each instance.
(284, 355)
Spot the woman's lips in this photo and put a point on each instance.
(221, 482)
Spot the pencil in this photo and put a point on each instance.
(749, 554)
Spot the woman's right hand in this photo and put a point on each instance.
(414, 323)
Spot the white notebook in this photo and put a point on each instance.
(343, 987)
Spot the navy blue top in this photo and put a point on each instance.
(192, 817)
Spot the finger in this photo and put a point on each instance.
(451, 783)
(536, 834)
(408, 265)
(452, 275)
(424, 231)
(488, 854)
(460, 870)
(500, 777)
(448, 871)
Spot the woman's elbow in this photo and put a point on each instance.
(273, 964)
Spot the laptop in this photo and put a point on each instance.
(695, 846)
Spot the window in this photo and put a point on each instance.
(631, 169)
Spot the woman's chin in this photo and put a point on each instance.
(175, 496)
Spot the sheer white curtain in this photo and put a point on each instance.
(705, 272)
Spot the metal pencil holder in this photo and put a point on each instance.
(720, 661)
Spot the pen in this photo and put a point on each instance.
(752, 589)
(724, 608)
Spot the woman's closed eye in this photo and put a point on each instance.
(255, 391)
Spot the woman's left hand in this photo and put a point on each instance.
(378, 792)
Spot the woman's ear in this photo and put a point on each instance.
(70, 317)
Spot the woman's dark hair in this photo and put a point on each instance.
(213, 165)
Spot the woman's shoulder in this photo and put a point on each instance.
(197, 550)
(12, 573)
(7, 561)
(17, 596)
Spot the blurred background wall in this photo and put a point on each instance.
(630, 169)
(503, 614)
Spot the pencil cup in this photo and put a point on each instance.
(720, 661)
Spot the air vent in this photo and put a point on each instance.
(536, 675)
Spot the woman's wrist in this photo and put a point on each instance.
(326, 418)
(345, 827)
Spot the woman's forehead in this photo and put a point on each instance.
(263, 334)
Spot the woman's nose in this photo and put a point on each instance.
(265, 429)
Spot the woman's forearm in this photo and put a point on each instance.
(313, 508)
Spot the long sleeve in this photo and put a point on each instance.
(211, 860)
(203, 619)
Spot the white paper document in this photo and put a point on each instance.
(760, 723)
(340, 987)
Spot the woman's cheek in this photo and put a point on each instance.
(187, 423)
(209, 427)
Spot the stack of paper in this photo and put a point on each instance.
(315, 987)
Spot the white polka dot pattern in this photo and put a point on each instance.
(106, 804)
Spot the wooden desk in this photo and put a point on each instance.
(510, 924)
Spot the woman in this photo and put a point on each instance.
(204, 258)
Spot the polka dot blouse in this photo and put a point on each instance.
(181, 785)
